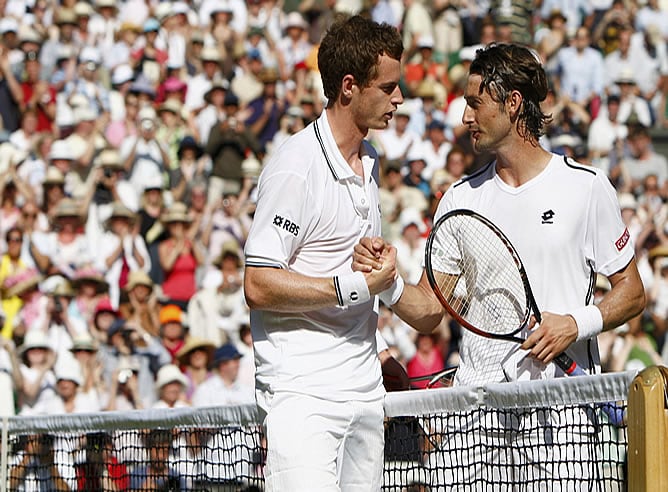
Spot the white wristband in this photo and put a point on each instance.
(351, 289)
(391, 296)
(589, 321)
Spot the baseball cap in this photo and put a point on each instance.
(171, 314)
(226, 352)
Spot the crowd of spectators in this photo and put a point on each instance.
(133, 134)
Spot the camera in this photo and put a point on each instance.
(124, 375)
(57, 305)
(108, 173)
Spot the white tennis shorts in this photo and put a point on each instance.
(318, 445)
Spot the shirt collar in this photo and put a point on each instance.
(338, 166)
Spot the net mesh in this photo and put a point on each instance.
(537, 435)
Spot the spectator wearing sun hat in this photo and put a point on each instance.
(170, 385)
(84, 351)
(25, 286)
(194, 359)
(88, 83)
(144, 156)
(69, 397)
(179, 256)
(172, 329)
(201, 83)
(293, 47)
(139, 302)
(37, 362)
(89, 287)
(104, 316)
(66, 248)
(223, 387)
(218, 310)
(122, 250)
(150, 58)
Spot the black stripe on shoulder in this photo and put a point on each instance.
(318, 136)
(579, 167)
(262, 265)
(475, 174)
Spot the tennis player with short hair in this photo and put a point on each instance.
(562, 217)
(313, 319)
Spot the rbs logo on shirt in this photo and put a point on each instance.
(286, 224)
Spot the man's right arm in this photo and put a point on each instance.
(417, 305)
(276, 289)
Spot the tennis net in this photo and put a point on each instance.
(537, 435)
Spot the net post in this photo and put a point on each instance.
(648, 431)
(4, 459)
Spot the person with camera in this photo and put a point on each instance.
(122, 250)
(128, 344)
(58, 322)
(228, 144)
(124, 388)
(143, 156)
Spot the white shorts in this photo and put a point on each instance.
(318, 445)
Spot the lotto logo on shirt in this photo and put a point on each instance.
(286, 224)
(623, 240)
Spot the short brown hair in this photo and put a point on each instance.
(353, 45)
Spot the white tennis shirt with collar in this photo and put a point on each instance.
(566, 225)
(312, 210)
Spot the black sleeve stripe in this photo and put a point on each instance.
(259, 264)
(337, 288)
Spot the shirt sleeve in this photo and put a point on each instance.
(281, 220)
(611, 248)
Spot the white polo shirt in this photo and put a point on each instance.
(566, 225)
(312, 210)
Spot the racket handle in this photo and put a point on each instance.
(611, 409)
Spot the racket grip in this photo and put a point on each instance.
(614, 412)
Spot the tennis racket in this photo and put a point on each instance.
(444, 377)
(479, 278)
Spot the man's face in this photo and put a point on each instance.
(483, 116)
(374, 106)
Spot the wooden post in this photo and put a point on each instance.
(648, 431)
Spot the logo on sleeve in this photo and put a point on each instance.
(286, 224)
(623, 240)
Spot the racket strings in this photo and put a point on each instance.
(479, 279)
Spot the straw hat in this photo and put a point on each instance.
(210, 53)
(92, 275)
(118, 211)
(22, 282)
(109, 158)
(67, 207)
(54, 176)
(138, 277)
(192, 344)
(268, 75)
(178, 212)
(170, 373)
(230, 248)
(84, 342)
(34, 339)
(658, 251)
